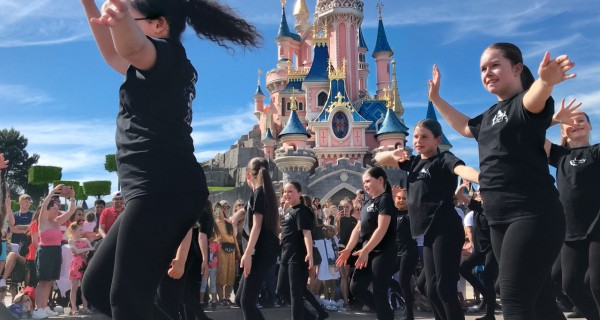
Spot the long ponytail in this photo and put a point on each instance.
(259, 169)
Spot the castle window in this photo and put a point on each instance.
(322, 99)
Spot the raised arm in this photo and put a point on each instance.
(460, 194)
(67, 215)
(392, 158)
(467, 173)
(130, 43)
(104, 39)
(551, 72)
(565, 114)
(455, 119)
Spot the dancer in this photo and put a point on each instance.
(141, 39)
(375, 237)
(431, 185)
(261, 227)
(482, 254)
(406, 255)
(520, 199)
(577, 166)
(297, 225)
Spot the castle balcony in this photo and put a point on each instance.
(327, 7)
(276, 79)
(289, 159)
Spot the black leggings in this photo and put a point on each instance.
(122, 278)
(577, 258)
(526, 250)
(490, 273)
(379, 271)
(441, 253)
(291, 285)
(249, 288)
(405, 264)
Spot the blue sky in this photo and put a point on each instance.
(56, 89)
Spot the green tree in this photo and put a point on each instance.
(97, 188)
(44, 175)
(13, 144)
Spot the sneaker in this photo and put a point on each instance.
(39, 314)
(49, 312)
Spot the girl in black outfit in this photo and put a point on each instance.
(375, 236)
(407, 255)
(577, 173)
(297, 224)
(141, 39)
(520, 200)
(431, 185)
(178, 290)
(482, 254)
(261, 226)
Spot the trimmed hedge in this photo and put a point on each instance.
(43, 175)
(110, 163)
(97, 188)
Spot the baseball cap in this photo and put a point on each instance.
(117, 194)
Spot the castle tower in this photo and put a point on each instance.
(342, 21)
(363, 66)
(259, 99)
(288, 43)
(294, 159)
(316, 82)
(301, 14)
(445, 145)
(382, 54)
(396, 103)
(393, 132)
(268, 144)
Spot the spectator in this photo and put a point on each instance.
(211, 277)
(99, 206)
(110, 214)
(22, 218)
(227, 255)
(79, 247)
(328, 271)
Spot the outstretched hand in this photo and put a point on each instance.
(3, 162)
(565, 114)
(554, 71)
(401, 155)
(112, 12)
(434, 83)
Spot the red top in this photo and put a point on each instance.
(33, 229)
(108, 217)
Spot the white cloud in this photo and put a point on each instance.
(223, 128)
(207, 155)
(536, 49)
(19, 94)
(591, 102)
(93, 134)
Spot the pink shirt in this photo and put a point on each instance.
(51, 237)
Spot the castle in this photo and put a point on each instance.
(320, 126)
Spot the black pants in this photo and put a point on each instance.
(379, 271)
(249, 288)
(180, 296)
(490, 273)
(122, 278)
(291, 285)
(405, 264)
(441, 253)
(526, 250)
(576, 260)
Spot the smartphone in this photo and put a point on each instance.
(66, 192)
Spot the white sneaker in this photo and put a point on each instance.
(39, 314)
(49, 312)
(2, 283)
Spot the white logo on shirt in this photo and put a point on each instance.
(499, 117)
(577, 162)
(424, 173)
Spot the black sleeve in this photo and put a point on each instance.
(386, 205)
(406, 165)
(545, 116)
(259, 201)
(595, 151)
(556, 153)
(475, 125)
(450, 161)
(304, 219)
(475, 206)
(165, 58)
(206, 224)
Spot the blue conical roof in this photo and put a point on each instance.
(382, 44)
(318, 71)
(284, 29)
(361, 40)
(337, 87)
(391, 124)
(432, 115)
(293, 126)
(268, 136)
(258, 91)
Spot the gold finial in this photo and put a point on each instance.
(387, 98)
(267, 111)
(319, 38)
(283, 3)
(379, 7)
(259, 73)
(339, 103)
(293, 100)
(338, 74)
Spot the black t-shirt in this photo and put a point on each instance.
(155, 151)
(267, 242)
(404, 240)
(482, 229)
(347, 224)
(294, 221)
(515, 180)
(369, 215)
(206, 224)
(431, 184)
(577, 174)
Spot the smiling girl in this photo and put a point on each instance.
(520, 199)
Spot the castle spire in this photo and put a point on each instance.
(382, 45)
(445, 145)
(396, 103)
(284, 29)
(301, 14)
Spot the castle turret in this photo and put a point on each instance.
(382, 54)
(301, 14)
(268, 144)
(445, 145)
(259, 98)
(363, 66)
(294, 159)
(287, 41)
(392, 133)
